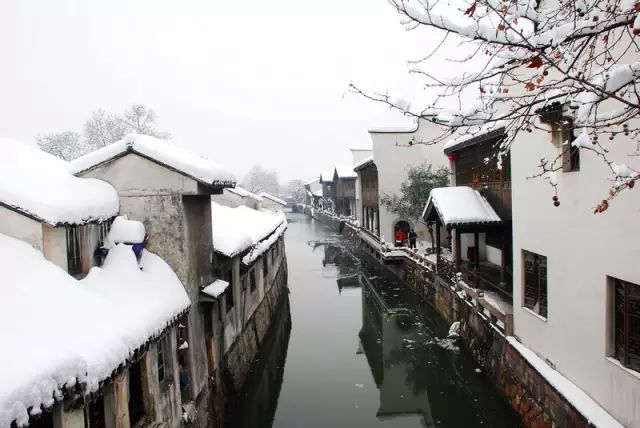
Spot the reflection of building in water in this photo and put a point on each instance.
(259, 401)
(348, 276)
(384, 338)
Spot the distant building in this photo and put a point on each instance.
(393, 156)
(238, 196)
(328, 190)
(369, 214)
(345, 190)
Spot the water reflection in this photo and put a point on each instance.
(363, 351)
(264, 382)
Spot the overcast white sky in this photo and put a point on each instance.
(238, 81)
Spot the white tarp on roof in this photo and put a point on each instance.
(216, 289)
(40, 185)
(461, 205)
(197, 167)
(236, 230)
(58, 331)
(272, 198)
(345, 171)
(243, 193)
(125, 231)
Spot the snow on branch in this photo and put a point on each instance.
(532, 65)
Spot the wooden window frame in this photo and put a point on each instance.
(535, 282)
(626, 323)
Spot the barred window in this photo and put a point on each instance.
(535, 282)
(74, 250)
(163, 358)
(265, 266)
(626, 320)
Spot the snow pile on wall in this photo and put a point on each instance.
(235, 230)
(40, 185)
(163, 152)
(461, 205)
(266, 195)
(58, 331)
(125, 231)
(216, 288)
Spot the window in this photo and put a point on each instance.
(136, 402)
(265, 266)
(626, 323)
(570, 154)
(535, 283)
(164, 357)
(44, 421)
(252, 280)
(228, 299)
(183, 360)
(95, 414)
(74, 254)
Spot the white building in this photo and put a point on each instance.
(393, 156)
(95, 351)
(570, 268)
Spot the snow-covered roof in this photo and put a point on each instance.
(40, 186)
(197, 167)
(125, 231)
(459, 206)
(272, 198)
(318, 193)
(326, 176)
(216, 288)
(236, 230)
(364, 163)
(58, 331)
(243, 193)
(345, 171)
(474, 135)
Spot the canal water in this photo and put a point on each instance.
(354, 348)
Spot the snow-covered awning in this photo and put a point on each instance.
(345, 172)
(243, 230)
(40, 186)
(162, 152)
(58, 332)
(365, 163)
(215, 289)
(266, 195)
(458, 207)
(326, 177)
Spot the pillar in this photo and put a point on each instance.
(503, 261)
(476, 250)
(458, 249)
(437, 246)
(116, 403)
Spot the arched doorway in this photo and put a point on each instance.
(405, 227)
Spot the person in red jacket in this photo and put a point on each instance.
(400, 237)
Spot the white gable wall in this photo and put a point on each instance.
(393, 163)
